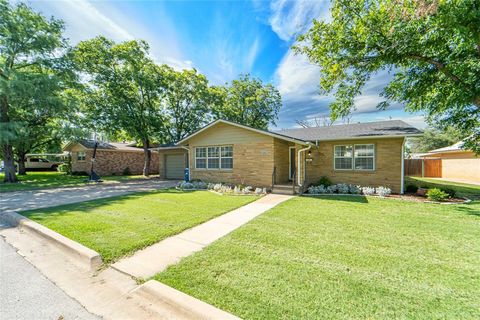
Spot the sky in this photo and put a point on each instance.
(223, 39)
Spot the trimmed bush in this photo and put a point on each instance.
(64, 167)
(436, 194)
(411, 188)
(451, 193)
(368, 191)
(126, 171)
(324, 181)
(80, 173)
(383, 191)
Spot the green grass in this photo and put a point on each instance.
(470, 191)
(343, 258)
(43, 180)
(119, 226)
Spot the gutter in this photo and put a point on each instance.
(299, 162)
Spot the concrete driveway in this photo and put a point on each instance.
(27, 200)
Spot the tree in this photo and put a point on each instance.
(123, 90)
(32, 76)
(432, 47)
(247, 101)
(187, 98)
(434, 138)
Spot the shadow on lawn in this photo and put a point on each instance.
(470, 209)
(349, 198)
(93, 204)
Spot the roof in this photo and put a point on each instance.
(453, 148)
(383, 129)
(266, 132)
(114, 146)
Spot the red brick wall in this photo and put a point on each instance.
(114, 162)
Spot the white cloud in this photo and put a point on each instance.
(85, 19)
(252, 54)
(289, 18)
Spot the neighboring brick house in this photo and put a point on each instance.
(111, 159)
(369, 154)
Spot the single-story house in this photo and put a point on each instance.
(457, 163)
(112, 158)
(367, 154)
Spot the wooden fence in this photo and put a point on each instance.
(429, 168)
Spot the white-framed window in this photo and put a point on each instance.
(354, 157)
(201, 158)
(81, 155)
(214, 157)
(364, 157)
(343, 157)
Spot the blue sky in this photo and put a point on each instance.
(223, 39)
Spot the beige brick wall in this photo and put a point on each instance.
(387, 171)
(113, 162)
(460, 165)
(253, 155)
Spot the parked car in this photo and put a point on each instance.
(34, 163)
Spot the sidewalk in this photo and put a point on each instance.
(156, 258)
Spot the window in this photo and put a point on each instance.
(200, 158)
(364, 156)
(34, 160)
(354, 157)
(343, 157)
(214, 157)
(81, 156)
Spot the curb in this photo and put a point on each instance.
(85, 256)
(185, 306)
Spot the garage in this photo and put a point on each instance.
(174, 166)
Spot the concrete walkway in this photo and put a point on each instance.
(156, 258)
(34, 199)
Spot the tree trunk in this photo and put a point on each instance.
(21, 165)
(10, 175)
(147, 157)
(7, 148)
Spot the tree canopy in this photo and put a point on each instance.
(431, 47)
(33, 76)
(248, 101)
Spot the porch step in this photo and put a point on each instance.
(284, 189)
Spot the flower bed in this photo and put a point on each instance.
(343, 188)
(221, 188)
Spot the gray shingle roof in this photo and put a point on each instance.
(90, 144)
(354, 130)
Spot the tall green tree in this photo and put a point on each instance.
(247, 101)
(122, 90)
(431, 46)
(434, 138)
(187, 102)
(33, 75)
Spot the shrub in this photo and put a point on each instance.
(126, 171)
(451, 193)
(64, 167)
(324, 181)
(368, 191)
(317, 189)
(411, 188)
(332, 189)
(436, 194)
(342, 188)
(383, 191)
(354, 189)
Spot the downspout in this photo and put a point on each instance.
(402, 181)
(299, 162)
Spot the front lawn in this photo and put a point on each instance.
(470, 191)
(119, 226)
(343, 258)
(43, 180)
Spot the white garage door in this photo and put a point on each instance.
(174, 164)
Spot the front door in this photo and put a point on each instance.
(291, 163)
